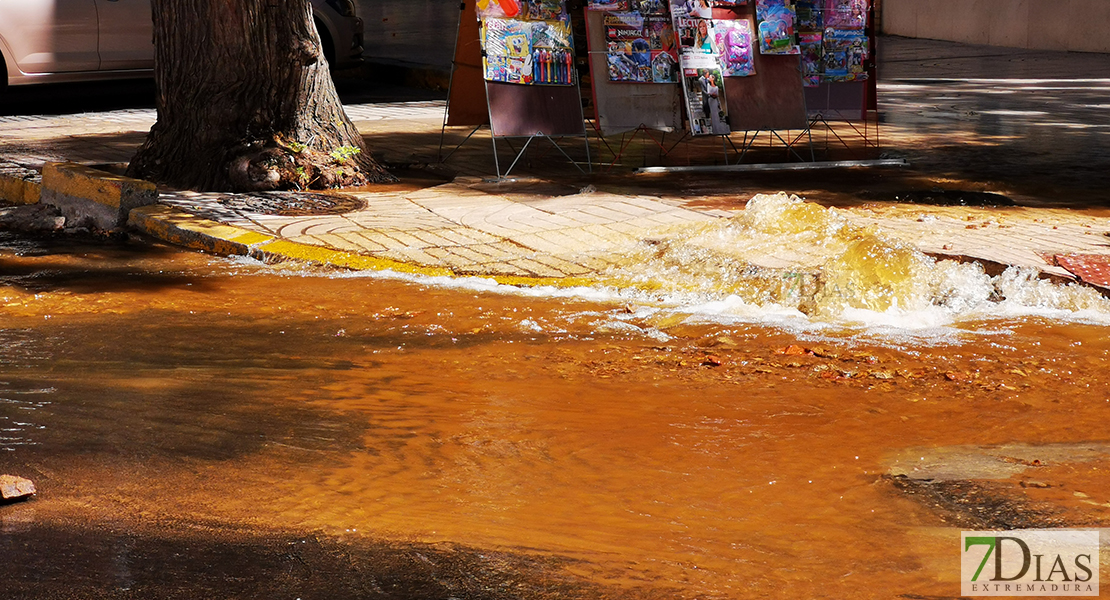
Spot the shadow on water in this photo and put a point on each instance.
(109, 563)
(63, 263)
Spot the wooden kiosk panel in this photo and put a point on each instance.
(527, 110)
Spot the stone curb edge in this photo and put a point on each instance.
(183, 229)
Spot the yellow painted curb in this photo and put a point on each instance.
(18, 190)
(178, 227)
(184, 229)
(339, 258)
(115, 191)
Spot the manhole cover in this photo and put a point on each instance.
(293, 204)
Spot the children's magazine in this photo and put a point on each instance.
(846, 14)
(508, 45)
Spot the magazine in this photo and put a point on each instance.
(703, 84)
(508, 45)
(734, 47)
(846, 14)
(660, 34)
(650, 7)
(695, 36)
(700, 9)
(810, 43)
(629, 52)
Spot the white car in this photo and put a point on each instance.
(53, 41)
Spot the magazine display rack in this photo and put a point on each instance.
(778, 70)
(517, 59)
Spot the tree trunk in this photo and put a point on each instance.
(246, 102)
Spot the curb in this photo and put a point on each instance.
(180, 228)
(88, 195)
(19, 185)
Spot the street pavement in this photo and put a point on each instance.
(551, 221)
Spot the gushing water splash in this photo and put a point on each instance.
(783, 253)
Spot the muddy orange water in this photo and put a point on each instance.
(157, 394)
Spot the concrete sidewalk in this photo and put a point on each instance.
(552, 223)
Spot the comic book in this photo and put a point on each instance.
(508, 45)
(846, 14)
(729, 3)
(776, 27)
(845, 55)
(706, 108)
(701, 9)
(811, 45)
(695, 36)
(734, 46)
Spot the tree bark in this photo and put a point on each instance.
(246, 102)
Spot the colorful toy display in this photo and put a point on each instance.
(734, 47)
(520, 51)
(776, 27)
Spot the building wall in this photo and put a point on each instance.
(1075, 25)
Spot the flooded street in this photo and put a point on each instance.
(200, 427)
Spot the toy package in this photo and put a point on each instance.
(734, 46)
(664, 67)
(812, 49)
(706, 108)
(547, 10)
(810, 15)
(776, 27)
(845, 55)
(701, 9)
(553, 53)
(846, 14)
